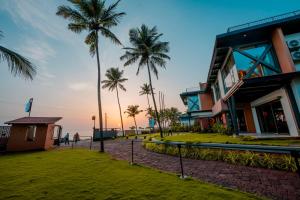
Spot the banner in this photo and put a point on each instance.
(28, 105)
(151, 122)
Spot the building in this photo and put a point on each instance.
(254, 77)
(199, 104)
(33, 133)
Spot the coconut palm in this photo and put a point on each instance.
(132, 111)
(113, 82)
(17, 64)
(146, 90)
(148, 51)
(97, 19)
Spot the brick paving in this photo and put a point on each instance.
(272, 184)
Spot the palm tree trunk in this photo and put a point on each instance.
(136, 131)
(155, 107)
(148, 101)
(99, 97)
(120, 112)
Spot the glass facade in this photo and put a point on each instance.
(251, 56)
(193, 103)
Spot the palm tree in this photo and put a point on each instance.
(146, 90)
(17, 64)
(148, 51)
(113, 82)
(132, 111)
(95, 18)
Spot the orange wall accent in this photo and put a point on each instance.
(249, 118)
(206, 101)
(282, 51)
(17, 139)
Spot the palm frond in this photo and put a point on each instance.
(77, 28)
(108, 34)
(114, 79)
(72, 14)
(17, 64)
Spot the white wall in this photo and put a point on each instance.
(281, 93)
(221, 86)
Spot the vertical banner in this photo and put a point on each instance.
(151, 122)
(28, 106)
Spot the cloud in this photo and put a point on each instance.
(37, 50)
(39, 14)
(40, 53)
(81, 86)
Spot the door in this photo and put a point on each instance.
(271, 118)
(241, 121)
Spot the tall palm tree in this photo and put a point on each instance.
(17, 64)
(132, 111)
(94, 17)
(146, 90)
(148, 51)
(113, 82)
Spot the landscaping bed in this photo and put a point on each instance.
(247, 158)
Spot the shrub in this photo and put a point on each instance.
(246, 158)
(247, 138)
(220, 128)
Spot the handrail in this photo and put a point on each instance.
(244, 147)
(263, 21)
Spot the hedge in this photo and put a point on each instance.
(246, 158)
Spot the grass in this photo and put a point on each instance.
(220, 138)
(83, 174)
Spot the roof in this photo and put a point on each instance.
(35, 120)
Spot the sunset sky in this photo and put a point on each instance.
(65, 84)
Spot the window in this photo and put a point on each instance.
(229, 74)
(193, 103)
(31, 133)
(255, 61)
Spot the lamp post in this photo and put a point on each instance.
(94, 118)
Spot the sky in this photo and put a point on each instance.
(65, 84)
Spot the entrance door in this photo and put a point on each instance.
(271, 118)
(241, 121)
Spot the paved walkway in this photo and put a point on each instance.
(273, 184)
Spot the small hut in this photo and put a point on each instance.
(33, 133)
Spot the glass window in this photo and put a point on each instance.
(244, 64)
(229, 74)
(31, 133)
(193, 103)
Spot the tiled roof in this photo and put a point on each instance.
(35, 120)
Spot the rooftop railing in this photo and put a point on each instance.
(192, 89)
(263, 21)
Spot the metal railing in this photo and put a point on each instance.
(293, 151)
(264, 21)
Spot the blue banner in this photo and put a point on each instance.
(28, 105)
(151, 122)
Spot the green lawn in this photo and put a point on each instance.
(83, 174)
(220, 138)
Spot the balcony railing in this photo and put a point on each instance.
(263, 21)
